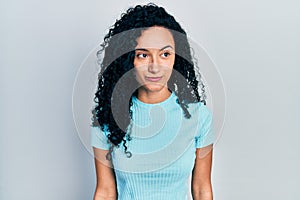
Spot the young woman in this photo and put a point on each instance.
(151, 129)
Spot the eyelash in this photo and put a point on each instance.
(166, 53)
(139, 54)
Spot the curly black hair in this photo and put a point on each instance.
(118, 48)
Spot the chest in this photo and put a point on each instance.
(160, 139)
(164, 166)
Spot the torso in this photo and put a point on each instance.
(163, 152)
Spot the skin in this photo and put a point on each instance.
(106, 188)
(201, 175)
(153, 63)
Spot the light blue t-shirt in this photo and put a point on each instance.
(163, 149)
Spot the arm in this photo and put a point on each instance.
(106, 183)
(201, 176)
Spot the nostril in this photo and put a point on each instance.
(153, 68)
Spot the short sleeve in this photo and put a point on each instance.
(99, 138)
(206, 135)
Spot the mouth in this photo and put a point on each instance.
(153, 79)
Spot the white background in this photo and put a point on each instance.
(255, 45)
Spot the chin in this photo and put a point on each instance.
(153, 88)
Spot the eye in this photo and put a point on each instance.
(141, 55)
(165, 54)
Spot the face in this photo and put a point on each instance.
(154, 58)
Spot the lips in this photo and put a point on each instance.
(153, 79)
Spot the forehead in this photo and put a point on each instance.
(155, 37)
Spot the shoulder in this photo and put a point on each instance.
(205, 133)
(99, 131)
(99, 137)
(200, 110)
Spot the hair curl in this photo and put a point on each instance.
(117, 61)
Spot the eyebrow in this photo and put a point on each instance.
(143, 49)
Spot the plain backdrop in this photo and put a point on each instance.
(255, 45)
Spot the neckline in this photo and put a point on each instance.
(164, 102)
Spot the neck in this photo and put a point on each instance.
(153, 96)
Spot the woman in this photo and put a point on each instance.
(151, 129)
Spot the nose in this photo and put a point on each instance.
(153, 66)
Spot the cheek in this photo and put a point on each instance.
(170, 62)
(135, 63)
(168, 71)
(140, 62)
(138, 73)
(168, 65)
(169, 68)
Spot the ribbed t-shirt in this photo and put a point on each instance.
(163, 147)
